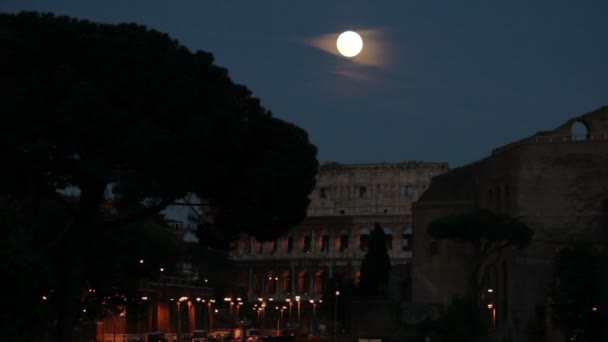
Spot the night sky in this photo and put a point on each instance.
(437, 81)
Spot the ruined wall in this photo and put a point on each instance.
(556, 182)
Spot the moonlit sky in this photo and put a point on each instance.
(439, 81)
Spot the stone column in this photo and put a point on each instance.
(293, 279)
(311, 276)
(353, 238)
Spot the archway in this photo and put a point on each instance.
(579, 131)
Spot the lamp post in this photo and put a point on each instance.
(179, 317)
(238, 306)
(114, 320)
(288, 300)
(336, 315)
(314, 316)
(298, 301)
(211, 301)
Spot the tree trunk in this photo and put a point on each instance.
(73, 261)
(69, 294)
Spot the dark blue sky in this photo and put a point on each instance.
(439, 81)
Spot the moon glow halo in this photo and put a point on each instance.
(349, 44)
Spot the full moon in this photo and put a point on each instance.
(349, 44)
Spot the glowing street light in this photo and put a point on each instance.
(314, 315)
(238, 306)
(113, 319)
(288, 300)
(179, 316)
(298, 300)
(336, 315)
(211, 301)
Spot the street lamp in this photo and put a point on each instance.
(491, 306)
(314, 315)
(211, 301)
(238, 306)
(288, 300)
(229, 299)
(336, 315)
(179, 317)
(113, 319)
(298, 301)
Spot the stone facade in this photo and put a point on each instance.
(556, 182)
(332, 241)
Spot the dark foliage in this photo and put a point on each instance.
(125, 111)
(576, 290)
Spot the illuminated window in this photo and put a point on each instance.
(289, 244)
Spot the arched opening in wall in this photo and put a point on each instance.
(364, 239)
(274, 246)
(406, 239)
(343, 243)
(302, 282)
(579, 131)
(272, 281)
(257, 283)
(289, 244)
(325, 243)
(285, 281)
(307, 243)
(320, 281)
(388, 238)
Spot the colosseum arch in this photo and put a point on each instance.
(342, 239)
(364, 237)
(579, 131)
(388, 237)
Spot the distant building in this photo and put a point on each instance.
(555, 181)
(177, 304)
(333, 239)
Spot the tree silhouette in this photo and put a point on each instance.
(575, 293)
(376, 265)
(123, 114)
